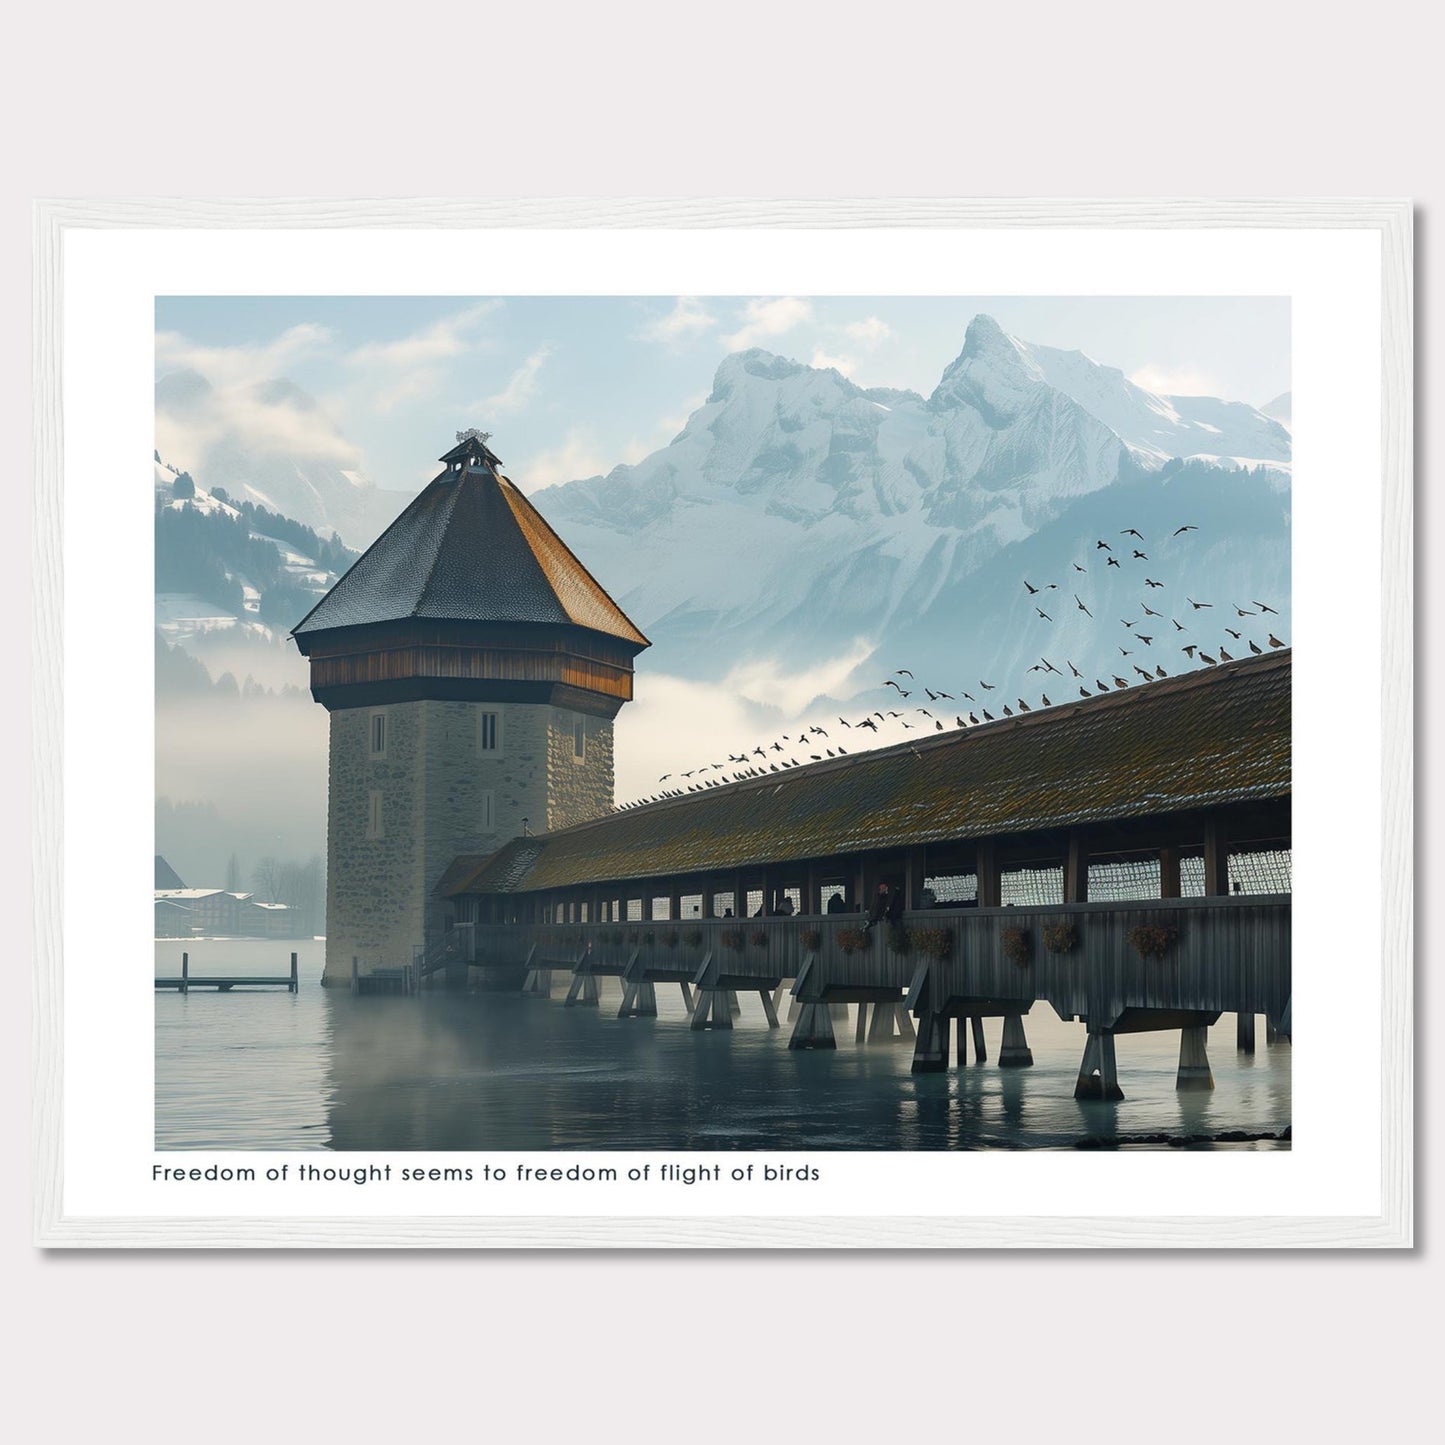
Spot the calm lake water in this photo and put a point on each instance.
(265, 1069)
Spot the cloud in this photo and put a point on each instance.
(765, 320)
(449, 337)
(583, 454)
(414, 366)
(688, 317)
(233, 366)
(846, 365)
(1176, 381)
(755, 704)
(870, 331)
(521, 387)
(268, 416)
(580, 455)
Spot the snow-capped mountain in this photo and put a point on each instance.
(1281, 409)
(266, 447)
(799, 517)
(1158, 427)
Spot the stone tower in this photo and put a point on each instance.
(472, 668)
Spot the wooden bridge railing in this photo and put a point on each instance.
(1229, 954)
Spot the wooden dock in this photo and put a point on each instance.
(223, 984)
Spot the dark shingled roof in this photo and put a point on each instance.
(1216, 736)
(470, 548)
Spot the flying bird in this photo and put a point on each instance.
(1073, 669)
(988, 686)
(1235, 635)
(1189, 528)
(1150, 582)
(1132, 532)
(1178, 625)
(1263, 608)
(1140, 556)
(1082, 609)
(903, 672)
(1113, 562)
(1077, 568)
(1149, 611)
(1198, 605)
(1125, 651)
(1190, 650)
(1043, 614)
(1147, 641)
(1105, 546)
(1032, 589)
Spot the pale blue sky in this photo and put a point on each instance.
(570, 386)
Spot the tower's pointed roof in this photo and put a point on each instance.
(470, 548)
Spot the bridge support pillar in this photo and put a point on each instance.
(584, 990)
(1194, 1071)
(639, 999)
(862, 1024)
(1099, 1073)
(1244, 1033)
(890, 1023)
(930, 1053)
(538, 983)
(713, 1009)
(814, 1028)
(980, 1048)
(1014, 1051)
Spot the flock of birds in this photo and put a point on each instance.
(1148, 627)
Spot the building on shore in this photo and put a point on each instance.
(217, 913)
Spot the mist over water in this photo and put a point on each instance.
(320, 1069)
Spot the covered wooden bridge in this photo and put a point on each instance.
(1124, 858)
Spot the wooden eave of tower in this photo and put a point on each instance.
(470, 595)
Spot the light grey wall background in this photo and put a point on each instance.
(756, 99)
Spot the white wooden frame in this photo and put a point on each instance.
(1391, 1228)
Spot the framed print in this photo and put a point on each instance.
(724, 724)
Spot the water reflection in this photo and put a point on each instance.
(322, 1069)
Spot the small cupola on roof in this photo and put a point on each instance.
(470, 595)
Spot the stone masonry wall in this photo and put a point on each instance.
(432, 780)
(373, 885)
(578, 791)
